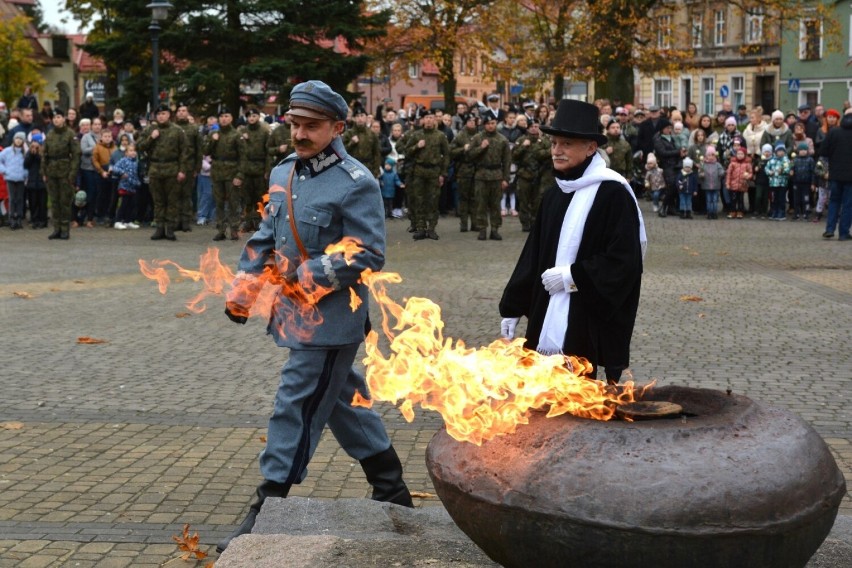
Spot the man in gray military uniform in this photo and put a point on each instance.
(317, 197)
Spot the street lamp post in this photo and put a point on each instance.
(159, 12)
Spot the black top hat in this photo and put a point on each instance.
(576, 119)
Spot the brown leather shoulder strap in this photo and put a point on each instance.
(292, 217)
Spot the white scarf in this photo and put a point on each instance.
(585, 188)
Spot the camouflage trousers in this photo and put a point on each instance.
(165, 192)
(467, 202)
(423, 192)
(254, 187)
(60, 193)
(488, 196)
(228, 200)
(528, 197)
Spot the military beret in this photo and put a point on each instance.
(224, 110)
(163, 107)
(315, 99)
(252, 111)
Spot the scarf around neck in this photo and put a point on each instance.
(585, 189)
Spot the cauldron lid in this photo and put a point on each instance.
(648, 410)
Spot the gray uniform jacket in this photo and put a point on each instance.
(334, 196)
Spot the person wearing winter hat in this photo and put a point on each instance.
(778, 169)
(711, 176)
(737, 177)
(803, 181)
(12, 169)
(669, 157)
(389, 182)
(89, 109)
(761, 182)
(655, 181)
(778, 131)
(687, 187)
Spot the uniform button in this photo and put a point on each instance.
(295, 197)
(286, 217)
(314, 218)
(283, 240)
(302, 178)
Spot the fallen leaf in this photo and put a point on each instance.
(263, 439)
(702, 315)
(183, 315)
(24, 295)
(85, 340)
(423, 495)
(79, 281)
(684, 247)
(12, 425)
(55, 290)
(688, 298)
(693, 254)
(723, 253)
(189, 544)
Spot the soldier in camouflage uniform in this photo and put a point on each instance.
(363, 144)
(428, 154)
(193, 140)
(168, 162)
(618, 150)
(60, 161)
(489, 151)
(527, 155)
(223, 147)
(254, 137)
(464, 173)
(278, 146)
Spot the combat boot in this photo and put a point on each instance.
(64, 235)
(220, 236)
(463, 227)
(159, 233)
(264, 490)
(235, 235)
(481, 236)
(384, 473)
(55, 234)
(495, 235)
(170, 233)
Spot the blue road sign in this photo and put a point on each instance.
(724, 91)
(793, 86)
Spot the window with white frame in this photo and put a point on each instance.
(708, 95)
(664, 32)
(850, 36)
(414, 70)
(720, 30)
(754, 25)
(663, 92)
(697, 30)
(737, 90)
(810, 39)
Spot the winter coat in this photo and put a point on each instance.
(128, 170)
(778, 170)
(12, 164)
(774, 135)
(739, 172)
(837, 148)
(760, 176)
(711, 174)
(32, 163)
(389, 181)
(687, 182)
(803, 170)
(654, 179)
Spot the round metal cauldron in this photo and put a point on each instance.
(730, 482)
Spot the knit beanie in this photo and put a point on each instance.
(80, 198)
(777, 114)
(652, 159)
(766, 148)
(730, 121)
(780, 146)
(802, 146)
(711, 151)
(833, 112)
(687, 163)
(20, 135)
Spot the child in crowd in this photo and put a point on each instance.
(696, 153)
(803, 181)
(101, 158)
(711, 174)
(761, 182)
(12, 169)
(655, 182)
(206, 209)
(78, 208)
(389, 182)
(736, 180)
(778, 170)
(36, 189)
(687, 186)
(821, 182)
(128, 184)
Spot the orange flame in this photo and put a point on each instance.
(480, 393)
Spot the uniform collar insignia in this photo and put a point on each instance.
(322, 161)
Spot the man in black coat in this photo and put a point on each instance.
(647, 129)
(837, 148)
(578, 278)
(669, 158)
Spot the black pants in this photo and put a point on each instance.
(37, 204)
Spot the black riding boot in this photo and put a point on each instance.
(264, 490)
(384, 473)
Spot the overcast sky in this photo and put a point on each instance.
(53, 16)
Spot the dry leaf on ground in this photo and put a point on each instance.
(86, 340)
(183, 315)
(423, 495)
(189, 544)
(24, 295)
(79, 281)
(12, 425)
(263, 439)
(688, 298)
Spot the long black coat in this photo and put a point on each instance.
(607, 272)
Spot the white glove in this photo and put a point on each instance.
(554, 279)
(507, 327)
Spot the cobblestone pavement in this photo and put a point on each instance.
(121, 443)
